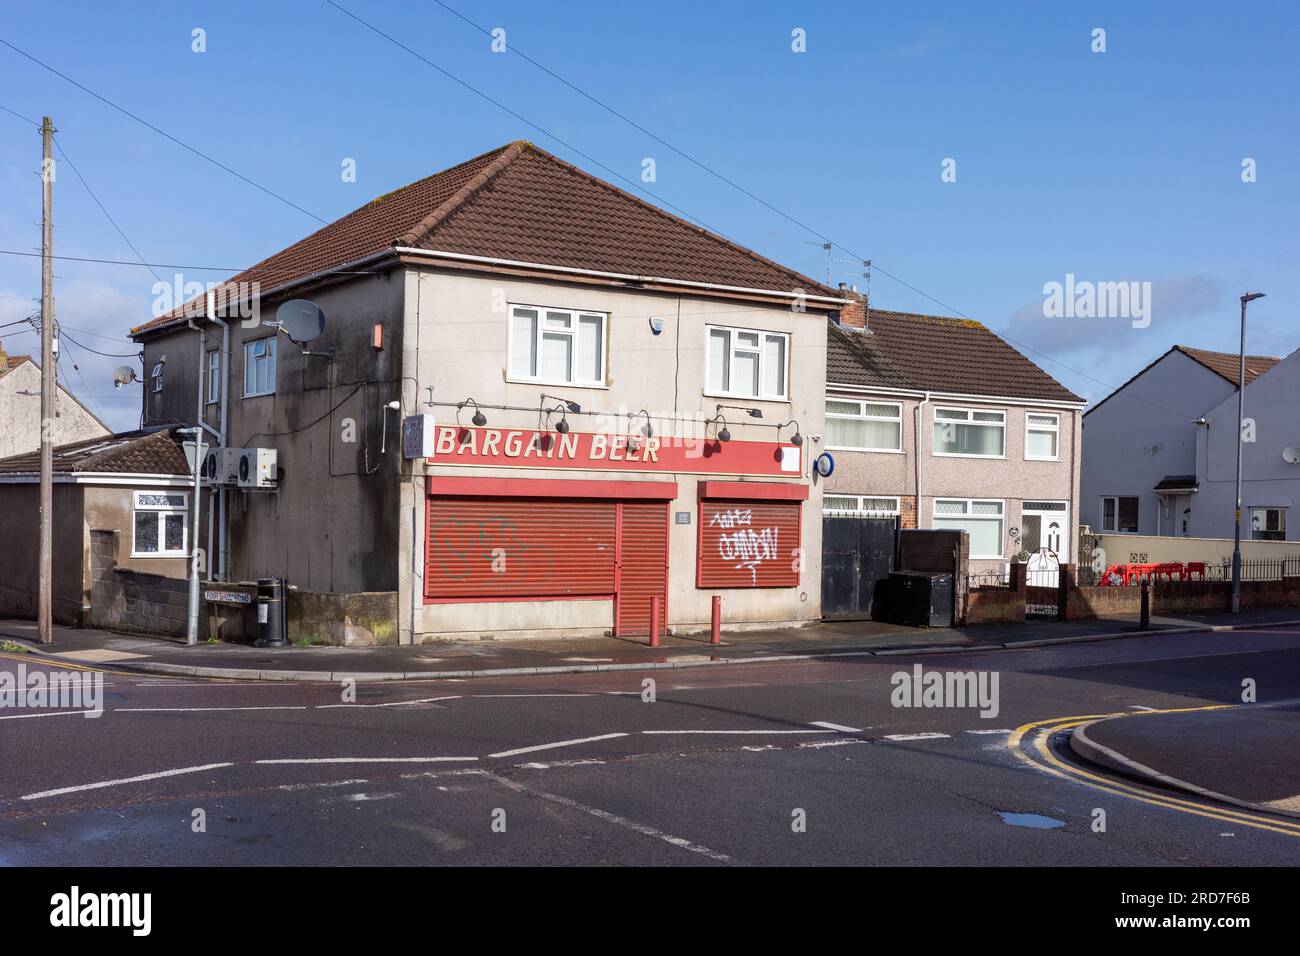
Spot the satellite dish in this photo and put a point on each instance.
(1291, 455)
(123, 375)
(301, 320)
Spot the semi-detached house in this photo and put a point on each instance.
(622, 408)
(940, 421)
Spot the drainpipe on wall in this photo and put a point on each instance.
(920, 410)
(223, 529)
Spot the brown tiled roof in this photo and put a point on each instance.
(13, 361)
(1228, 364)
(933, 353)
(519, 202)
(133, 453)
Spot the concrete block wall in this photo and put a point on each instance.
(125, 600)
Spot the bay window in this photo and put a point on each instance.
(981, 518)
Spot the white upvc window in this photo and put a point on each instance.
(1042, 436)
(863, 425)
(970, 432)
(746, 363)
(214, 377)
(557, 346)
(159, 528)
(157, 376)
(1119, 514)
(259, 366)
(982, 518)
(871, 506)
(1268, 524)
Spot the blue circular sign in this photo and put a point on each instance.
(825, 464)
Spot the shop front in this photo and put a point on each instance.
(535, 533)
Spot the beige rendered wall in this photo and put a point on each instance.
(20, 413)
(456, 342)
(1142, 548)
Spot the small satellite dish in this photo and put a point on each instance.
(1291, 455)
(301, 320)
(123, 375)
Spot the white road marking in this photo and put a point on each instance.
(680, 842)
(1155, 660)
(557, 763)
(114, 783)
(736, 731)
(316, 786)
(999, 731)
(191, 710)
(391, 703)
(1139, 707)
(531, 695)
(559, 743)
(836, 742)
(839, 728)
(46, 713)
(296, 760)
(926, 736)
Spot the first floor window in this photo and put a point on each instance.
(746, 363)
(1119, 514)
(214, 376)
(971, 432)
(557, 346)
(1042, 436)
(871, 506)
(259, 366)
(156, 375)
(864, 426)
(159, 524)
(1268, 524)
(981, 518)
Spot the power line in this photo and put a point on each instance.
(124, 262)
(68, 160)
(160, 132)
(99, 411)
(25, 119)
(63, 329)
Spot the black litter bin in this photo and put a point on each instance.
(272, 626)
(921, 598)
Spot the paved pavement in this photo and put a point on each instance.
(1248, 754)
(508, 658)
(807, 761)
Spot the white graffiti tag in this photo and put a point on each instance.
(742, 543)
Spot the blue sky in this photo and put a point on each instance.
(1115, 166)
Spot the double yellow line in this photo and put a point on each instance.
(1041, 732)
(58, 663)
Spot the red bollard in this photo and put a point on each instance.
(715, 626)
(654, 621)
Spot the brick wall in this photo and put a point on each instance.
(907, 511)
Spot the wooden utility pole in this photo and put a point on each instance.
(47, 384)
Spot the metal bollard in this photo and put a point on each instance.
(715, 623)
(654, 621)
(1145, 620)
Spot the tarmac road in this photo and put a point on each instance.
(806, 763)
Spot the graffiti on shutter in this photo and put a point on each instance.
(749, 544)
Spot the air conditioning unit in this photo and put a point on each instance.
(221, 466)
(256, 467)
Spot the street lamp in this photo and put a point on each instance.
(1241, 398)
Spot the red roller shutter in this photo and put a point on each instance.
(492, 548)
(748, 543)
(643, 566)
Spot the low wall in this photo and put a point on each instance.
(361, 619)
(132, 601)
(1180, 597)
(997, 605)
(1149, 549)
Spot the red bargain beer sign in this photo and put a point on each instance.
(598, 451)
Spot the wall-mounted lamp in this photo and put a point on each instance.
(751, 412)
(571, 406)
(479, 418)
(723, 433)
(796, 439)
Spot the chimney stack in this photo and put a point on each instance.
(853, 315)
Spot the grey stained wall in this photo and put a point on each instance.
(20, 413)
(1268, 481)
(332, 525)
(1144, 432)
